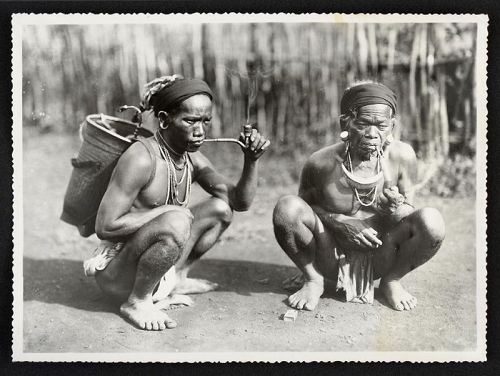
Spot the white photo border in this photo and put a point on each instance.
(21, 20)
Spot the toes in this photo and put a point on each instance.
(412, 302)
(170, 324)
(292, 302)
(155, 326)
(149, 325)
(161, 325)
(309, 306)
(301, 304)
(213, 284)
(399, 307)
(406, 306)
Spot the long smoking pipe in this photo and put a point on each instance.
(233, 140)
(247, 128)
(247, 131)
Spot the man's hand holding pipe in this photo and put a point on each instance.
(256, 144)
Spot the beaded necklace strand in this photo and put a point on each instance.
(173, 184)
(373, 190)
(169, 149)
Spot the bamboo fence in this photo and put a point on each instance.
(286, 78)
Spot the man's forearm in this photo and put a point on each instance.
(331, 220)
(345, 229)
(128, 223)
(243, 193)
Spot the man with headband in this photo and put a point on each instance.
(353, 220)
(150, 235)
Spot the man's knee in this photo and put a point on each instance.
(222, 211)
(430, 223)
(175, 229)
(288, 210)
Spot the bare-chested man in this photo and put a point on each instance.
(353, 220)
(144, 218)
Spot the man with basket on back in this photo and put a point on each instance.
(150, 235)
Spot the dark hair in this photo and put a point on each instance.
(152, 101)
(172, 110)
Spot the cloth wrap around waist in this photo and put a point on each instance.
(365, 94)
(355, 276)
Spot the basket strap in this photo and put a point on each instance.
(151, 152)
(85, 164)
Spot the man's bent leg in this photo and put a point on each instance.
(302, 236)
(137, 269)
(413, 241)
(211, 219)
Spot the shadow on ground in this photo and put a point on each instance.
(62, 281)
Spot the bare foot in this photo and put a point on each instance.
(146, 316)
(174, 300)
(308, 296)
(397, 297)
(194, 286)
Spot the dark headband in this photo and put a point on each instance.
(179, 91)
(165, 92)
(369, 93)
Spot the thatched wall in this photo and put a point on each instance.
(288, 78)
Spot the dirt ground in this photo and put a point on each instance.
(64, 311)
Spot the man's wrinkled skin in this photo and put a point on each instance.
(326, 213)
(158, 235)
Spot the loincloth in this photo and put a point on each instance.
(106, 251)
(355, 275)
(101, 257)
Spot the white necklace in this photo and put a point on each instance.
(357, 182)
(173, 184)
(168, 149)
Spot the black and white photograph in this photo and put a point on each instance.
(249, 187)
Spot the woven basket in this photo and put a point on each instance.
(104, 139)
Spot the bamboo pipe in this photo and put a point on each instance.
(233, 140)
(247, 131)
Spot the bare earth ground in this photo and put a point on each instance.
(64, 311)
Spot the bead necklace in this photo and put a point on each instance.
(363, 183)
(173, 184)
(169, 150)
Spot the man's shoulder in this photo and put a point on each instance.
(327, 156)
(401, 151)
(138, 156)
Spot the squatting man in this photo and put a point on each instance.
(150, 235)
(353, 220)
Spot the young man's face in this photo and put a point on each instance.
(369, 130)
(186, 130)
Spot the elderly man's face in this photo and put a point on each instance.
(369, 130)
(187, 127)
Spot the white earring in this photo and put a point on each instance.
(344, 136)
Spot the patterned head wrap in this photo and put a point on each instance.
(164, 93)
(367, 93)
